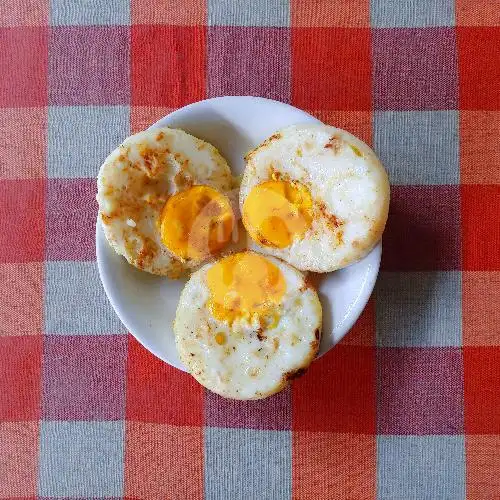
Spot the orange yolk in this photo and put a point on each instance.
(276, 212)
(244, 284)
(196, 223)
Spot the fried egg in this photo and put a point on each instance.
(163, 201)
(315, 196)
(247, 324)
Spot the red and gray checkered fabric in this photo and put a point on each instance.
(407, 406)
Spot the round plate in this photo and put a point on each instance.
(146, 304)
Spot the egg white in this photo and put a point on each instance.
(136, 180)
(253, 363)
(347, 183)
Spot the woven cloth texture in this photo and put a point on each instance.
(407, 406)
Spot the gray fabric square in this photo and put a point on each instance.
(81, 459)
(258, 13)
(419, 309)
(81, 137)
(412, 14)
(423, 467)
(247, 463)
(418, 147)
(89, 12)
(75, 301)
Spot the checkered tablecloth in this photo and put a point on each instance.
(407, 406)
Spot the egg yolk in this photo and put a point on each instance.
(244, 284)
(277, 212)
(196, 223)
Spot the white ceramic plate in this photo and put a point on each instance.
(146, 304)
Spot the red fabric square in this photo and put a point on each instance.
(480, 227)
(21, 158)
(477, 13)
(22, 212)
(24, 13)
(479, 147)
(334, 466)
(480, 311)
(18, 459)
(142, 117)
(192, 12)
(168, 65)
(159, 393)
(479, 68)
(331, 68)
(163, 461)
(324, 13)
(482, 466)
(23, 64)
(481, 394)
(337, 393)
(20, 371)
(21, 305)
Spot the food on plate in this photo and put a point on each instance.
(314, 196)
(247, 324)
(163, 201)
(196, 223)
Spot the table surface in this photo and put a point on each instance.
(407, 406)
